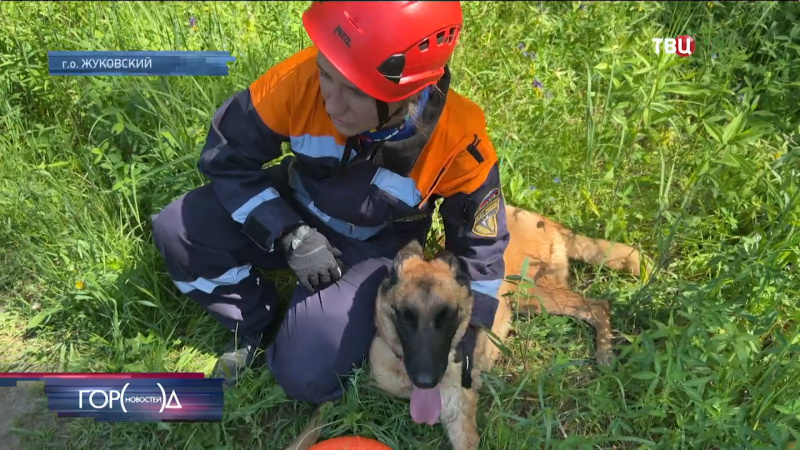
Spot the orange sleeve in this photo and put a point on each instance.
(471, 167)
(273, 94)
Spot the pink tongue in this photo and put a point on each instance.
(426, 405)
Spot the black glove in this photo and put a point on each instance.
(312, 258)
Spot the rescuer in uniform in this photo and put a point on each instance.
(376, 137)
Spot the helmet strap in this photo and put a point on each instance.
(383, 113)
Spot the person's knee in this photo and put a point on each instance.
(192, 221)
(325, 336)
(167, 228)
(306, 384)
(309, 378)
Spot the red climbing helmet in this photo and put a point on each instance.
(389, 50)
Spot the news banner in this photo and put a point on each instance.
(139, 63)
(128, 397)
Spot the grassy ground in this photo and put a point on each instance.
(694, 159)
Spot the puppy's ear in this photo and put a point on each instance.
(448, 257)
(411, 250)
(455, 266)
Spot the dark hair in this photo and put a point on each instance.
(413, 110)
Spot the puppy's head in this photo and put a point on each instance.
(425, 305)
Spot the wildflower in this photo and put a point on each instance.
(714, 56)
(669, 137)
(531, 55)
(537, 84)
(521, 46)
(532, 188)
(192, 22)
(557, 180)
(80, 285)
(710, 4)
(741, 98)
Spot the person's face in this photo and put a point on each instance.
(351, 109)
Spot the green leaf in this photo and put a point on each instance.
(732, 128)
(147, 303)
(170, 138)
(730, 160)
(701, 381)
(644, 375)
(712, 131)
(684, 89)
(786, 410)
(39, 318)
(132, 127)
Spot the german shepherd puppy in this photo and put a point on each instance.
(423, 309)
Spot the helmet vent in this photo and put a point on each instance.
(452, 35)
(440, 38)
(392, 67)
(423, 46)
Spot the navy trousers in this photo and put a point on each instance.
(323, 335)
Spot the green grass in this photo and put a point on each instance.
(694, 160)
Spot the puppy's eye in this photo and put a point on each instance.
(409, 315)
(443, 317)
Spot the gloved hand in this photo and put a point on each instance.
(312, 258)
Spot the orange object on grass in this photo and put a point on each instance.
(350, 443)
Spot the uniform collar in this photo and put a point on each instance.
(408, 127)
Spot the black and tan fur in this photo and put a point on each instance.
(423, 308)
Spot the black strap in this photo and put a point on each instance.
(383, 113)
(473, 150)
(465, 353)
(350, 144)
(361, 156)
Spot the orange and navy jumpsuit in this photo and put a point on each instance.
(368, 197)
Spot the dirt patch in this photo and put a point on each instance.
(24, 406)
(17, 403)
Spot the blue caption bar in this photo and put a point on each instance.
(139, 63)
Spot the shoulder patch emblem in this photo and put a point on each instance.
(485, 221)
